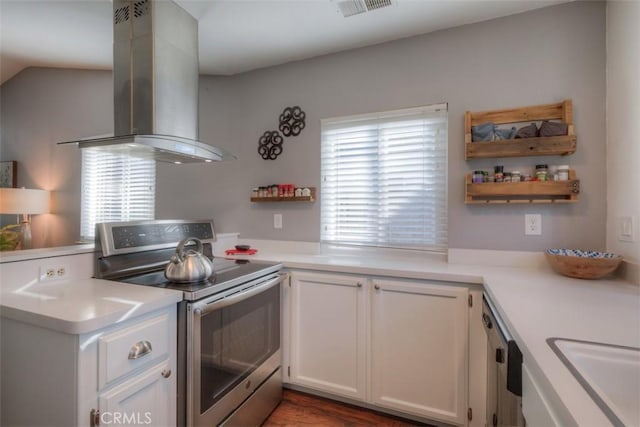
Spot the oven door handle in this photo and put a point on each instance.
(202, 308)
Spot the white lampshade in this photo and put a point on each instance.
(23, 201)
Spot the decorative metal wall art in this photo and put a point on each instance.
(8, 174)
(270, 145)
(292, 121)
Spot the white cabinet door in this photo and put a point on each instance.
(419, 353)
(328, 342)
(147, 399)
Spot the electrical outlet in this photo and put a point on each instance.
(277, 220)
(533, 224)
(53, 272)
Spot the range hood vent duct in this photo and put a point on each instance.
(356, 7)
(155, 85)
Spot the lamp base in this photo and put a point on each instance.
(25, 240)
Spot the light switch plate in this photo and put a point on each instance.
(625, 233)
(533, 224)
(277, 220)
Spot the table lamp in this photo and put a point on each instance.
(25, 202)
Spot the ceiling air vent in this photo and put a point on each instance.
(355, 7)
(140, 8)
(121, 14)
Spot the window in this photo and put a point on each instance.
(384, 179)
(115, 187)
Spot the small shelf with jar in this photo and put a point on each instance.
(565, 191)
(268, 194)
(563, 145)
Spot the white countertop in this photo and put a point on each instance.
(39, 253)
(534, 302)
(78, 306)
(539, 304)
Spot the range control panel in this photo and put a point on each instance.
(145, 235)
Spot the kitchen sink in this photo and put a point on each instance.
(610, 374)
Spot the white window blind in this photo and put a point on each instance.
(384, 179)
(115, 188)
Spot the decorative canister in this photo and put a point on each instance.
(541, 172)
(563, 173)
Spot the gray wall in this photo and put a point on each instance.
(40, 107)
(533, 58)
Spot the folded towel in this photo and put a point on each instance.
(553, 128)
(529, 131)
(483, 132)
(505, 133)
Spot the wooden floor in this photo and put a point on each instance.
(301, 409)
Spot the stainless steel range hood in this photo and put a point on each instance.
(155, 85)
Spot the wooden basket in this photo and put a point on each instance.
(582, 267)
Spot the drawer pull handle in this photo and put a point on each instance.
(140, 349)
(166, 373)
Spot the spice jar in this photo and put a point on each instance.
(541, 172)
(506, 177)
(478, 177)
(515, 176)
(255, 192)
(498, 170)
(563, 173)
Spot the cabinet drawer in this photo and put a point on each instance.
(125, 350)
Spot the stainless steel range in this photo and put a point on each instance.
(229, 358)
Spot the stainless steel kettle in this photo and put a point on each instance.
(190, 265)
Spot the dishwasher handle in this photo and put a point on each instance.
(487, 321)
(514, 368)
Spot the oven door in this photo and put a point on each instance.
(234, 348)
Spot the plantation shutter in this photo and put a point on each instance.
(115, 188)
(384, 179)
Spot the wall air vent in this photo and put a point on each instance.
(355, 7)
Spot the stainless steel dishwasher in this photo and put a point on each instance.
(504, 370)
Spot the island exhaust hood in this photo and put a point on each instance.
(155, 85)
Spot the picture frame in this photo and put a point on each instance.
(9, 174)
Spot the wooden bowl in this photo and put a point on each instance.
(582, 264)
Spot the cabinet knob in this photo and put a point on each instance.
(166, 373)
(359, 284)
(376, 287)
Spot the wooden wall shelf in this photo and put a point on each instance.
(540, 146)
(523, 192)
(311, 198)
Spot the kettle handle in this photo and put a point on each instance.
(181, 245)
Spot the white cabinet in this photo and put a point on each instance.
(419, 349)
(61, 379)
(398, 345)
(328, 334)
(142, 399)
